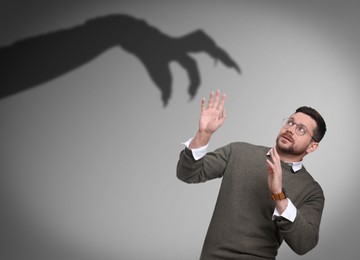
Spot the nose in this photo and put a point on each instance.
(290, 130)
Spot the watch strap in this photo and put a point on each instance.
(279, 196)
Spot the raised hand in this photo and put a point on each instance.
(274, 172)
(212, 118)
(275, 178)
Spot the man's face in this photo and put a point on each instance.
(289, 142)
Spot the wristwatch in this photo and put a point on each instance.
(279, 196)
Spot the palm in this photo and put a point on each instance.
(213, 116)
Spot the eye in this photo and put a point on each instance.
(290, 123)
(301, 129)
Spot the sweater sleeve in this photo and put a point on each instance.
(302, 235)
(211, 166)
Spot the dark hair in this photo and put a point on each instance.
(320, 128)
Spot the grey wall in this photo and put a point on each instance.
(88, 159)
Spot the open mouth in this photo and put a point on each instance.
(288, 138)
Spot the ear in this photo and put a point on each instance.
(312, 147)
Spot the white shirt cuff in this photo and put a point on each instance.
(197, 153)
(289, 213)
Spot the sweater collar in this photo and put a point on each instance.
(296, 166)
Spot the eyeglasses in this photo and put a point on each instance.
(299, 130)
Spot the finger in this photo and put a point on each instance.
(222, 102)
(273, 154)
(224, 114)
(217, 97)
(268, 163)
(270, 166)
(276, 158)
(202, 104)
(211, 100)
(276, 154)
(222, 117)
(275, 162)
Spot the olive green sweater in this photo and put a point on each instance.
(241, 226)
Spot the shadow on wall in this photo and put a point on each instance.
(32, 61)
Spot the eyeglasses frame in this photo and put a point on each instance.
(284, 125)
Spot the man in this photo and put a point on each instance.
(266, 195)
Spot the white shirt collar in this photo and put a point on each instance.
(296, 166)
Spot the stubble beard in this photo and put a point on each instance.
(289, 150)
